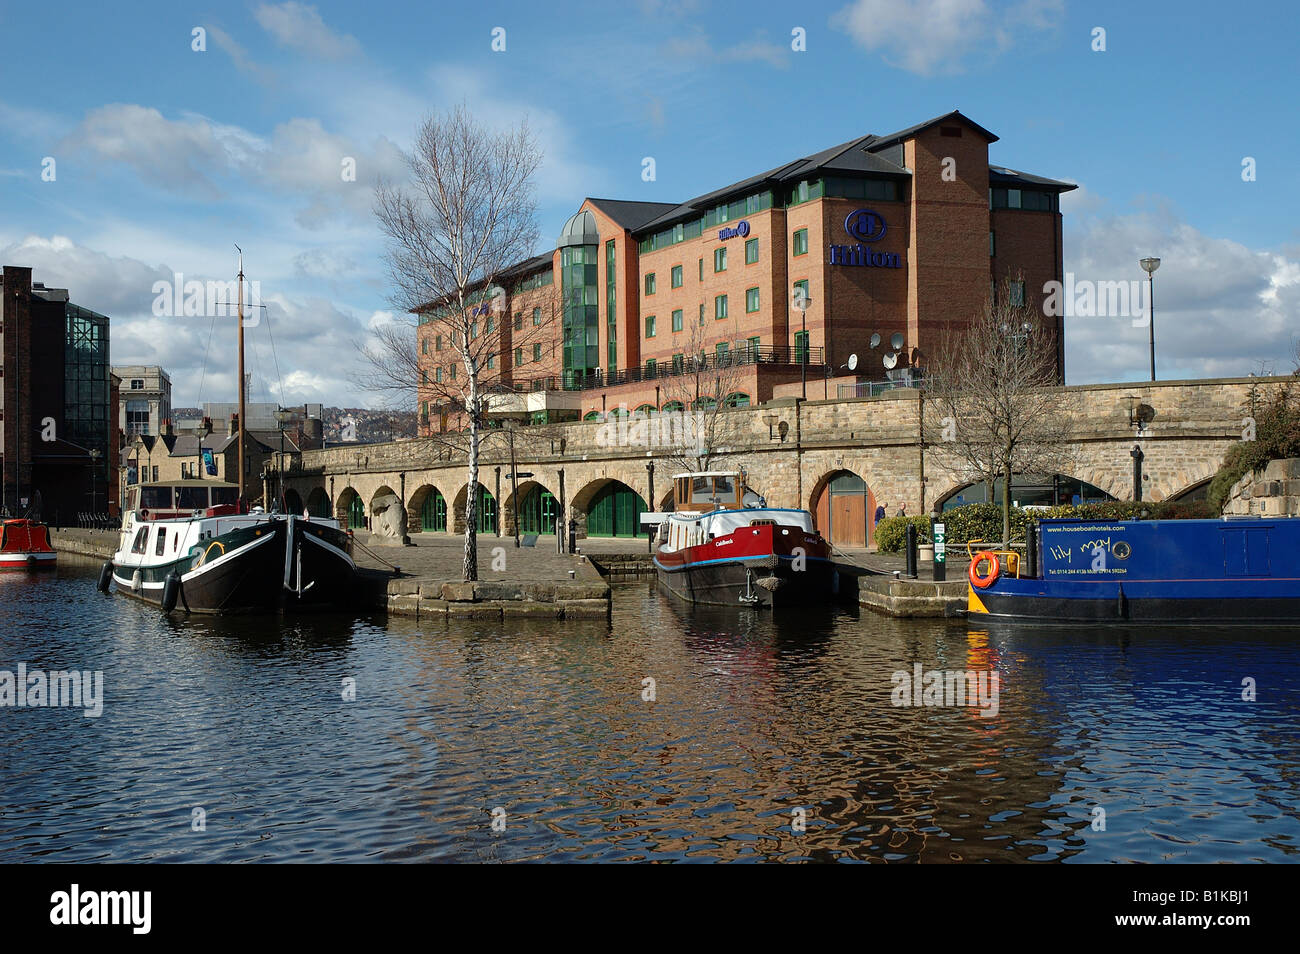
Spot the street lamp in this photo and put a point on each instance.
(802, 301)
(1149, 265)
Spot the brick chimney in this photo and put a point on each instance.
(234, 426)
(167, 429)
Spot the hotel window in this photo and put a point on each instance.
(677, 320)
(473, 330)
(491, 325)
(424, 376)
(679, 363)
(677, 276)
(993, 248)
(650, 284)
(723, 350)
(701, 269)
(751, 299)
(453, 372)
(424, 346)
(437, 343)
(437, 375)
(801, 285)
(720, 306)
(519, 322)
(720, 259)
(649, 326)
(753, 348)
(801, 242)
(537, 317)
(491, 361)
(519, 357)
(1017, 299)
(800, 347)
(537, 351)
(751, 251)
(651, 366)
(137, 384)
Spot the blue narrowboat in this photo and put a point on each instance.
(1244, 569)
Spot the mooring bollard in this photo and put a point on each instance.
(911, 551)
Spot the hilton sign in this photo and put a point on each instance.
(866, 226)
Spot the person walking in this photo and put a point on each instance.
(880, 513)
(902, 510)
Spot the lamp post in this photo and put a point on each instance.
(95, 454)
(802, 301)
(1149, 265)
(1137, 455)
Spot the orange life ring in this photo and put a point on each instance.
(984, 581)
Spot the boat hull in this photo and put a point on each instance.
(1039, 601)
(28, 561)
(767, 566)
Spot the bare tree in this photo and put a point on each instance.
(709, 375)
(454, 232)
(991, 410)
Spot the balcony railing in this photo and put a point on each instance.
(709, 361)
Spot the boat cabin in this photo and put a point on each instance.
(709, 490)
(179, 499)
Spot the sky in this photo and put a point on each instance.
(1175, 120)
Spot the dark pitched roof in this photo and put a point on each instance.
(631, 215)
(1004, 176)
(897, 137)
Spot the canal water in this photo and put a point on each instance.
(766, 737)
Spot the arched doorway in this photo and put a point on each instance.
(292, 502)
(1028, 490)
(318, 503)
(845, 510)
(615, 511)
(485, 511)
(537, 510)
(352, 510)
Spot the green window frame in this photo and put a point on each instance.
(800, 347)
(537, 317)
(751, 251)
(491, 361)
(677, 320)
(537, 351)
(424, 346)
(754, 345)
(649, 326)
(676, 276)
(701, 269)
(720, 307)
(679, 363)
(650, 283)
(651, 366)
(437, 342)
(491, 325)
(723, 350)
(701, 314)
(519, 357)
(519, 322)
(437, 375)
(720, 259)
(751, 300)
(800, 244)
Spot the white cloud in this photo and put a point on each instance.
(697, 47)
(300, 27)
(930, 37)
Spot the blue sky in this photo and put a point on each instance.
(165, 157)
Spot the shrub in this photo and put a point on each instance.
(891, 533)
(1276, 417)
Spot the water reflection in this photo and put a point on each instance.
(758, 723)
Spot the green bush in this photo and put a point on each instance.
(1276, 417)
(984, 521)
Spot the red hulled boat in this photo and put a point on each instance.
(25, 545)
(722, 544)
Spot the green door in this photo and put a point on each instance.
(433, 514)
(486, 516)
(356, 514)
(615, 512)
(537, 512)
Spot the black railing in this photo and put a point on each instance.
(710, 361)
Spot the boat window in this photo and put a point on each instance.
(156, 498)
(191, 498)
(162, 542)
(224, 495)
(725, 488)
(701, 488)
(141, 540)
(762, 523)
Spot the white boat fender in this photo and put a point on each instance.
(137, 582)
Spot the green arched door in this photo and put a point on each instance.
(537, 511)
(356, 513)
(615, 511)
(433, 514)
(485, 514)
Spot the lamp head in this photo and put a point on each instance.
(1149, 265)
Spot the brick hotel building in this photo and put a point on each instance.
(908, 234)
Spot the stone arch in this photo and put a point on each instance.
(1196, 491)
(292, 502)
(1061, 490)
(426, 510)
(539, 506)
(318, 502)
(349, 509)
(485, 517)
(610, 508)
(844, 508)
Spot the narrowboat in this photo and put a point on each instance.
(25, 545)
(1232, 570)
(723, 545)
(186, 543)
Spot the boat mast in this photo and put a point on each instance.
(240, 432)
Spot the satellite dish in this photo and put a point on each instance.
(890, 360)
(875, 341)
(896, 341)
(853, 362)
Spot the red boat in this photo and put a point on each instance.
(722, 544)
(25, 545)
